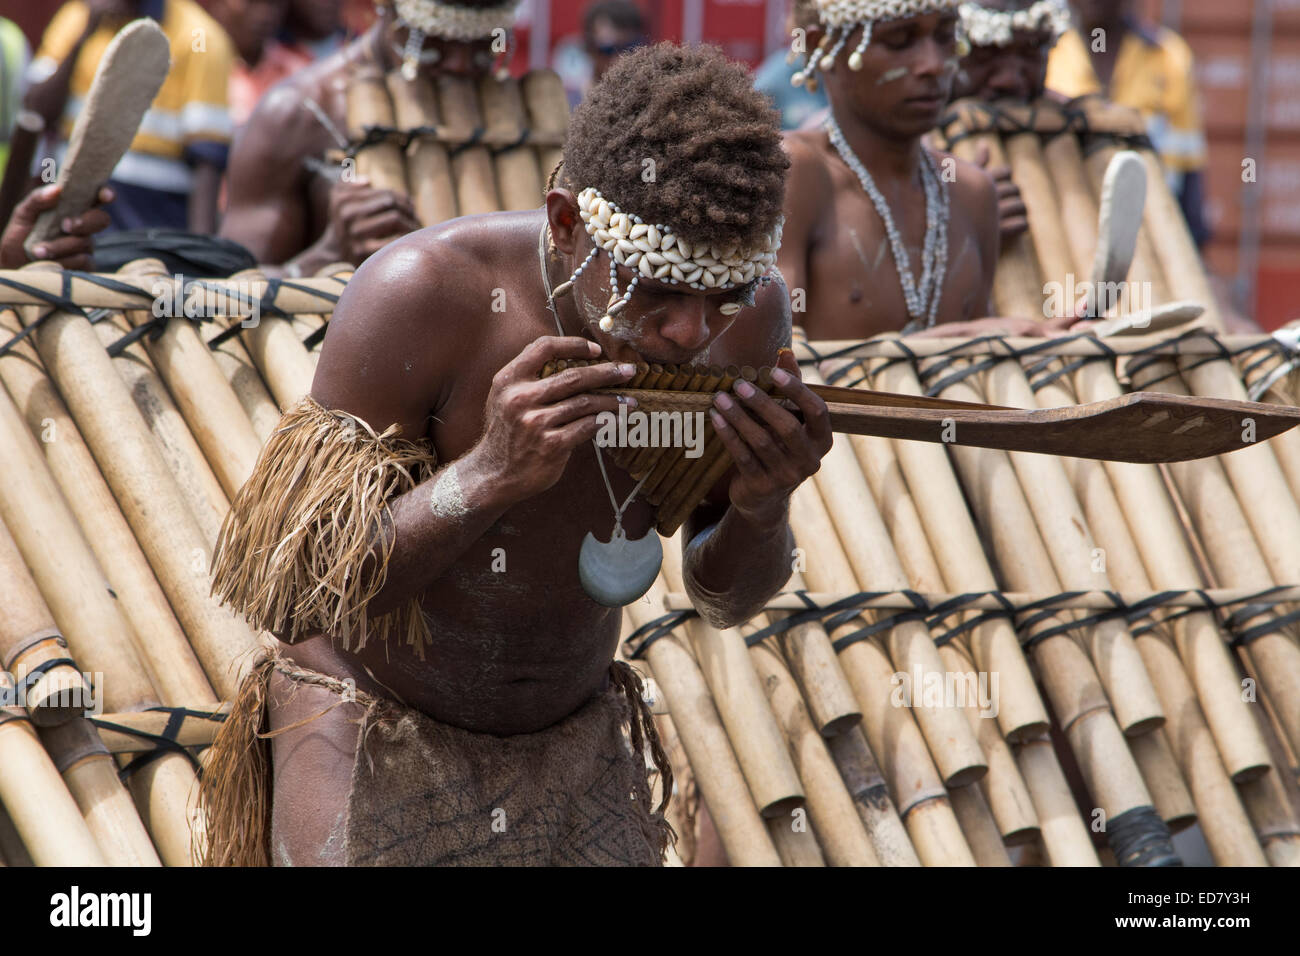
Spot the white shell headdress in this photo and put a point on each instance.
(985, 27)
(448, 22)
(655, 251)
(839, 18)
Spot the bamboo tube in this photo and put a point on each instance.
(205, 399)
(866, 784)
(91, 778)
(807, 651)
(476, 188)
(1003, 788)
(548, 114)
(1175, 250)
(951, 533)
(1061, 523)
(144, 488)
(1159, 538)
(1222, 817)
(1065, 836)
(1274, 819)
(1112, 777)
(1163, 778)
(278, 354)
(518, 181)
(254, 397)
(368, 105)
(43, 812)
(978, 825)
(199, 486)
(759, 744)
(830, 809)
(1064, 161)
(876, 566)
(1238, 557)
(1017, 279)
(30, 639)
(11, 845)
(722, 784)
(890, 731)
(191, 731)
(60, 562)
(168, 659)
(1029, 170)
(795, 847)
(428, 168)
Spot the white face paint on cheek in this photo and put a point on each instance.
(889, 76)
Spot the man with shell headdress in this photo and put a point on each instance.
(443, 548)
(881, 233)
(292, 209)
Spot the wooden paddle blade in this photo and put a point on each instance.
(130, 73)
(1142, 427)
(1123, 196)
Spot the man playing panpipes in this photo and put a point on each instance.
(286, 205)
(881, 233)
(413, 529)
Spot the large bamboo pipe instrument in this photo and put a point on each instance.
(759, 744)
(1110, 773)
(1259, 498)
(194, 477)
(136, 731)
(1158, 535)
(368, 105)
(548, 113)
(1065, 838)
(1074, 558)
(74, 586)
(866, 784)
(1018, 277)
(31, 648)
(428, 167)
(892, 734)
(1077, 204)
(206, 400)
(277, 352)
(147, 492)
(807, 651)
(1030, 173)
(476, 187)
(91, 777)
(37, 800)
(504, 117)
(870, 551)
(168, 658)
(238, 369)
(704, 738)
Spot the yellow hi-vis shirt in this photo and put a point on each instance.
(1153, 74)
(189, 119)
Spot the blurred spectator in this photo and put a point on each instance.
(610, 28)
(313, 28)
(796, 104)
(171, 174)
(14, 54)
(262, 61)
(1149, 68)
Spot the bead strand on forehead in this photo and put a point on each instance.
(922, 301)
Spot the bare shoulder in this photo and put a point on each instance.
(972, 187)
(809, 174)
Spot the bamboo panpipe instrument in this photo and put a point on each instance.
(369, 105)
(519, 181)
(428, 167)
(277, 352)
(471, 162)
(200, 298)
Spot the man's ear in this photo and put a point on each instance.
(566, 224)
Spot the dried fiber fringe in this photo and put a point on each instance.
(643, 731)
(291, 551)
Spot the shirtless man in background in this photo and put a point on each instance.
(284, 205)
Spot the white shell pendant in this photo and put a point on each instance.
(617, 572)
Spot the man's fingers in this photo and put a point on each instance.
(811, 406)
(761, 443)
(63, 247)
(574, 381)
(578, 406)
(746, 463)
(576, 432)
(529, 363)
(982, 155)
(87, 224)
(387, 223)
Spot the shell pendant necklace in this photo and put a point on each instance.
(616, 572)
(922, 301)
